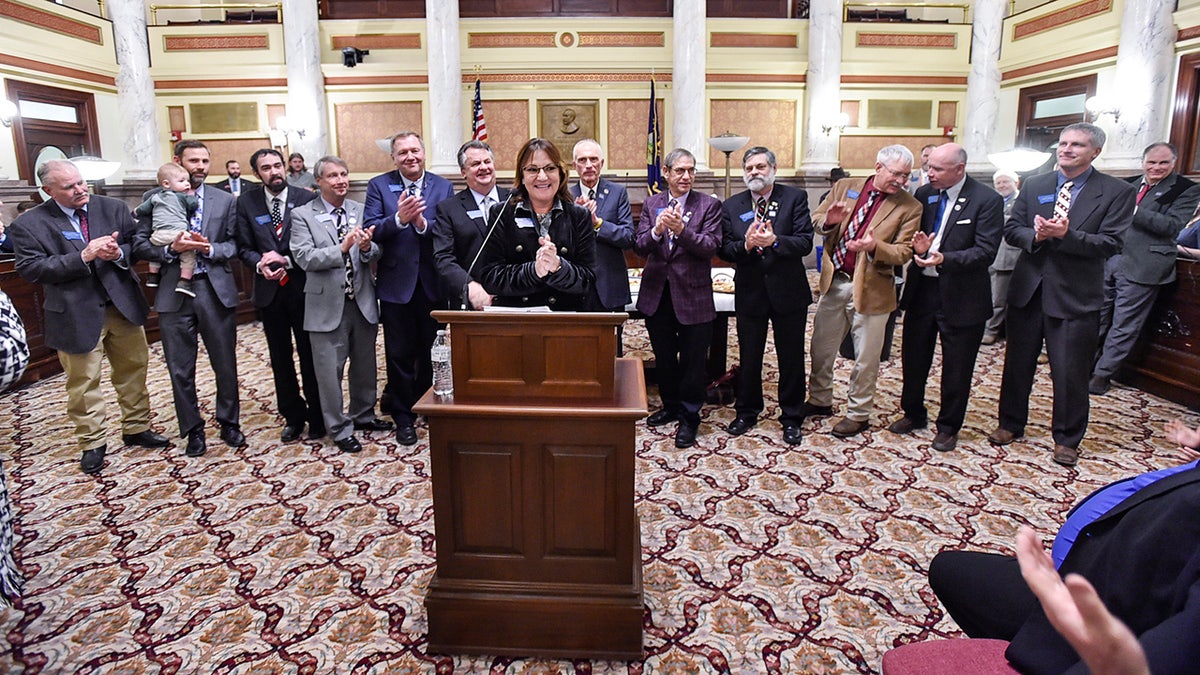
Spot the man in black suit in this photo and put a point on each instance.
(1136, 540)
(264, 215)
(767, 233)
(462, 224)
(1165, 203)
(1066, 223)
(233, 182)
(947, 293)
(210, 315)
(77, 246)
(612, 218)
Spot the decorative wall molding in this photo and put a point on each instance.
(1065, 62)
(510, 40)
(650, 39)
(908, 40)
(376, 79)
(660, 78)
(378, 41)
(754, 40)
(54, 69)
(202, 43)
(904, 79)
(52, 22)
(1077, 12)
(1188, 33)
(755, 77)
(247, 83)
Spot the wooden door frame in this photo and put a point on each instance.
(85, 107)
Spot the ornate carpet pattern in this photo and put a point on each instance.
(757, 557)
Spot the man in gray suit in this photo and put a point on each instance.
(1165, 202)
(211, 314)
(612, 218)
(1006, 183)
(76, 246)
(341, 314)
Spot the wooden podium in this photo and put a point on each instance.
(532, 461)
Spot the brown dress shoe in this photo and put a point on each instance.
(1066, 456)
(905, 425)
(1002, 436)
(848, 427)
(945, 442)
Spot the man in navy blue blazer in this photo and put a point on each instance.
(402, 206)
(612, 219)
(947, 291)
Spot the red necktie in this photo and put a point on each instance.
(83, 225)
(1142, 192)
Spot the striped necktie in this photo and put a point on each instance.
(1062, 204)
(277, 217)
(856, 225)
(339, 221)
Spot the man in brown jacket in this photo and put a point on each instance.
(868, 224)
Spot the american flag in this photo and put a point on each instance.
(478, 125)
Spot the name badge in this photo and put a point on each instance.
(324, 218)
(474, 214)
(747, 216)
(1045, 199)
(933, 199)
(525, 222)
(263, 219)
(396, 188)
(852, 194)
(72, 235)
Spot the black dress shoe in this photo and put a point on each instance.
(93, 460)
(662, 417)
(741, 425)
(232, 436)
(374, 424)
(792, 434)
(196, 444)
(146, 439)
(291, 433)
(348, 444)
(808, 410)
(685, 435)
(316, 432)
(1098, 385)
(406, 434)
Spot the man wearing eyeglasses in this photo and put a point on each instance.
(612, 218)
(402, 206)
(678, 233)
(868, 225)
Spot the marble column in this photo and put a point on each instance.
(446, 132)
(1141, 86)
(822, 87)
(306, 110)
(142, 150)
(983, 84)
(688, 75)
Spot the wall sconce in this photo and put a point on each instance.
(840, 122)
(8, 112)
(1098, 106)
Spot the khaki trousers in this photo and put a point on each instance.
(124, 344)
(835, 316)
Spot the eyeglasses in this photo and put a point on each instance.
(683, 170)
(898, 175)
(532, 171)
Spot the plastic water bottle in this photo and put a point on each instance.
(443, 378)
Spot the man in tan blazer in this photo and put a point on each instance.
(868, 224)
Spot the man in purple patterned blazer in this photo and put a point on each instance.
(678, 234)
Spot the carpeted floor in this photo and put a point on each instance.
(757, 557)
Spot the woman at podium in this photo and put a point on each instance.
(543, 248)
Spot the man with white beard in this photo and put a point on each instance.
(768, 231)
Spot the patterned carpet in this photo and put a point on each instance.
(758, 558)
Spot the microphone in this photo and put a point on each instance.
(466, 300)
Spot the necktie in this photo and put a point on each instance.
(197, 226)
(856, 225)
(488, 202)
(671, 239)
(760, 209)
(83, 225)
(339, 221)
(277, 217)
(941, 212)
(412, 189)
(592, 194)
(1062, 204)
(1142, 192)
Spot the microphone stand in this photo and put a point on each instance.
(466, 301)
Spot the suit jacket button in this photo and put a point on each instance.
(562, 250)
(520, 248)
(525, 298)
(551, 300)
